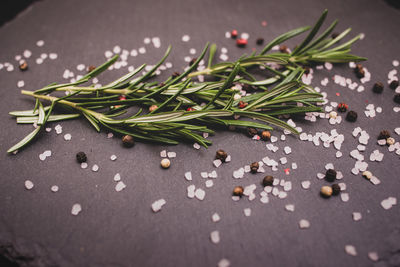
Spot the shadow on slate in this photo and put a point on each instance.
(9, 9)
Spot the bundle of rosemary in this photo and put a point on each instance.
(182, 109)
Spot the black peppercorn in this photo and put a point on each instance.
(283, 49)
(247, 87)
(384, 134)
(260, 41)
(351, 116)
(330, 175)
(306, 70)
(396, 98)
(221, 155)
(238, 191)
(394, 84)
(251, 131)
(175, 74)
(335, 189)
(342, 107)
(192, 61)
(266, 135)
(254, 167)
(91, 68)
(359, 71)
(127, 141)
(268, 180)
(378, 88)
(23, 66)
(81, 157)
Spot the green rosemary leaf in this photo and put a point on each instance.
(335, 40)
(92, 121)
(344, 46)
(195, 137)
(52, 118)
(213, 49)
(51, 88)
(26, 113)
(167, 116)
(268, 119)
(24, 141)
(246, 124)
(319, 38)
(172, 98)
(123, 78)
(115, 102)
(226, 85)
(98, 70)
(282, 38)
(286, 111)
(313, 32)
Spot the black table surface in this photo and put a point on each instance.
(119, 228)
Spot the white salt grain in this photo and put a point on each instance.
(388, 202)
(287, 150)
(113, 157)
(304, 224)
(117, 177)
(28, 184)
(373, 256)
(305, 184)
(171, 154)
(209, 183)
(215, 237)
(351, 250)
(247, 212)
(185, 38)
(84, 165)
(199, 194)
(76, 209)
(27, 53)
(344, 196)
(142, 50)
(188, 176)
(40, 43)
(120, 186)
(196, 146)
(67, 137)
(158, 204)
(53, 56)
(20, 84)
(224, 262)
(217, 163)
(289, 207)
(95, 168)
(215, 217)
(54, 188)
(357, 216)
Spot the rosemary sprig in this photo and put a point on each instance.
(185, 108)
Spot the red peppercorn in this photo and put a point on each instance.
(234, 33)
(242, 104)
(122, 97)
(342, 107)
(241, 42)
(190, 109)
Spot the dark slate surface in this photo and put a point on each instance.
(119, 229)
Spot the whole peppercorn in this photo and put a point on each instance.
(91, 68)
(127, 141)
(378, 88)
(394, 84)
(326, 191)
(335, 189)
(242, 104)
(81, 157)
(23, 66)
(221, 154)
(367, 174)
(334, 35)
(241, 42)
(234, 34)
(351, 116)
(330, 175)
(175, 74)
(307, 70)
(266, 135)
(238, 191)
(165, 163)
(254, 167)
(384, 134)
(390, 141)
(152, 108)
(283, 49)
(268, 180)
(192, 61)
(342, 107)
(251, 131)
(260, 41)
(359, 71)
(247, 87)
(396, 98)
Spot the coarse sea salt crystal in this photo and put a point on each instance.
(247, 212)
(339, 154)
(163, 153)
(188, 176)
(215, 217)
(373, 256)
(196, 146)
(54, 188)
(28, 184)
(84, 165)
(357, 216)
(117, 177)
(351, 250)
(95, 168)
(388, 203)
(289, 207)
(304, 224)
(395, 63)
(40, 43)
(209, 183)
(224, 262)
(171, 154)
(294, 165)
(199, 194)
(158, 204)
(217, 163)
(329, 166)
(20, 84)
(142, 50)
(113, 157)
(214, 236)
(120, 186)
(76, 209)
(53, 56)
(287, 150)
(344, 196)
(305, 184)
(185, 38)
(58, 129)
(67, 137)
